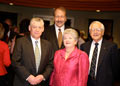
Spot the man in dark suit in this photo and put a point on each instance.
(10, 34)
(51, 33)
(102, 67)
(32, 57)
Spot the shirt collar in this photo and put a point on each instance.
(62, 28)
(33, 40)
(99, 42)
(72, 54)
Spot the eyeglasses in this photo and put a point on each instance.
(60, 16)
(96, 29)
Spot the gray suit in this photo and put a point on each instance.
(23, 61)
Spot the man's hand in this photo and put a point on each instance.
(39, 78)
(31, 80)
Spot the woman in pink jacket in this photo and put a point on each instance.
(70, 64)
(4, 58)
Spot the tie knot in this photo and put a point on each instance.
(36, 42)
(59, 30)
(96, 44)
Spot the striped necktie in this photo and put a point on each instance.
(93, 63)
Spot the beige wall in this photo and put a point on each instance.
(80, 17)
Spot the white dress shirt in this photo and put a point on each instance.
(39, 44)
(91, 54)
(57, 29)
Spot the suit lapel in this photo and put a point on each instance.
(102, 53)
(87, 49)
(42, 54)
(54, 35)
(31, 52)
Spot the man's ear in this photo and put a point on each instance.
(43, 29)
(103, 32)
(29, 27)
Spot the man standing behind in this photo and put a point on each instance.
(32, 57)
(10, 34)
(102, 57)
(54, 33)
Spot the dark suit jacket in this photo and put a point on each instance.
(50, 35)
(23, 61)
(106, 65)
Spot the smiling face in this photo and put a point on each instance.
(96, 31)
(59, 17)
(36, 28)
(69, 41)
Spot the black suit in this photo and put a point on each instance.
(107, 63)
(50, 35)
(23, 61)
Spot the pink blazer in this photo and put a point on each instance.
(4, 58)
(70, 72)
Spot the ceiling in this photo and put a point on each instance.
(83, 5)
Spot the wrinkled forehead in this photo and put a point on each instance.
(36, 23)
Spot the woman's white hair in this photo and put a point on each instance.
(72, 32)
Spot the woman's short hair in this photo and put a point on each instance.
(1, 31)
(72, 32)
